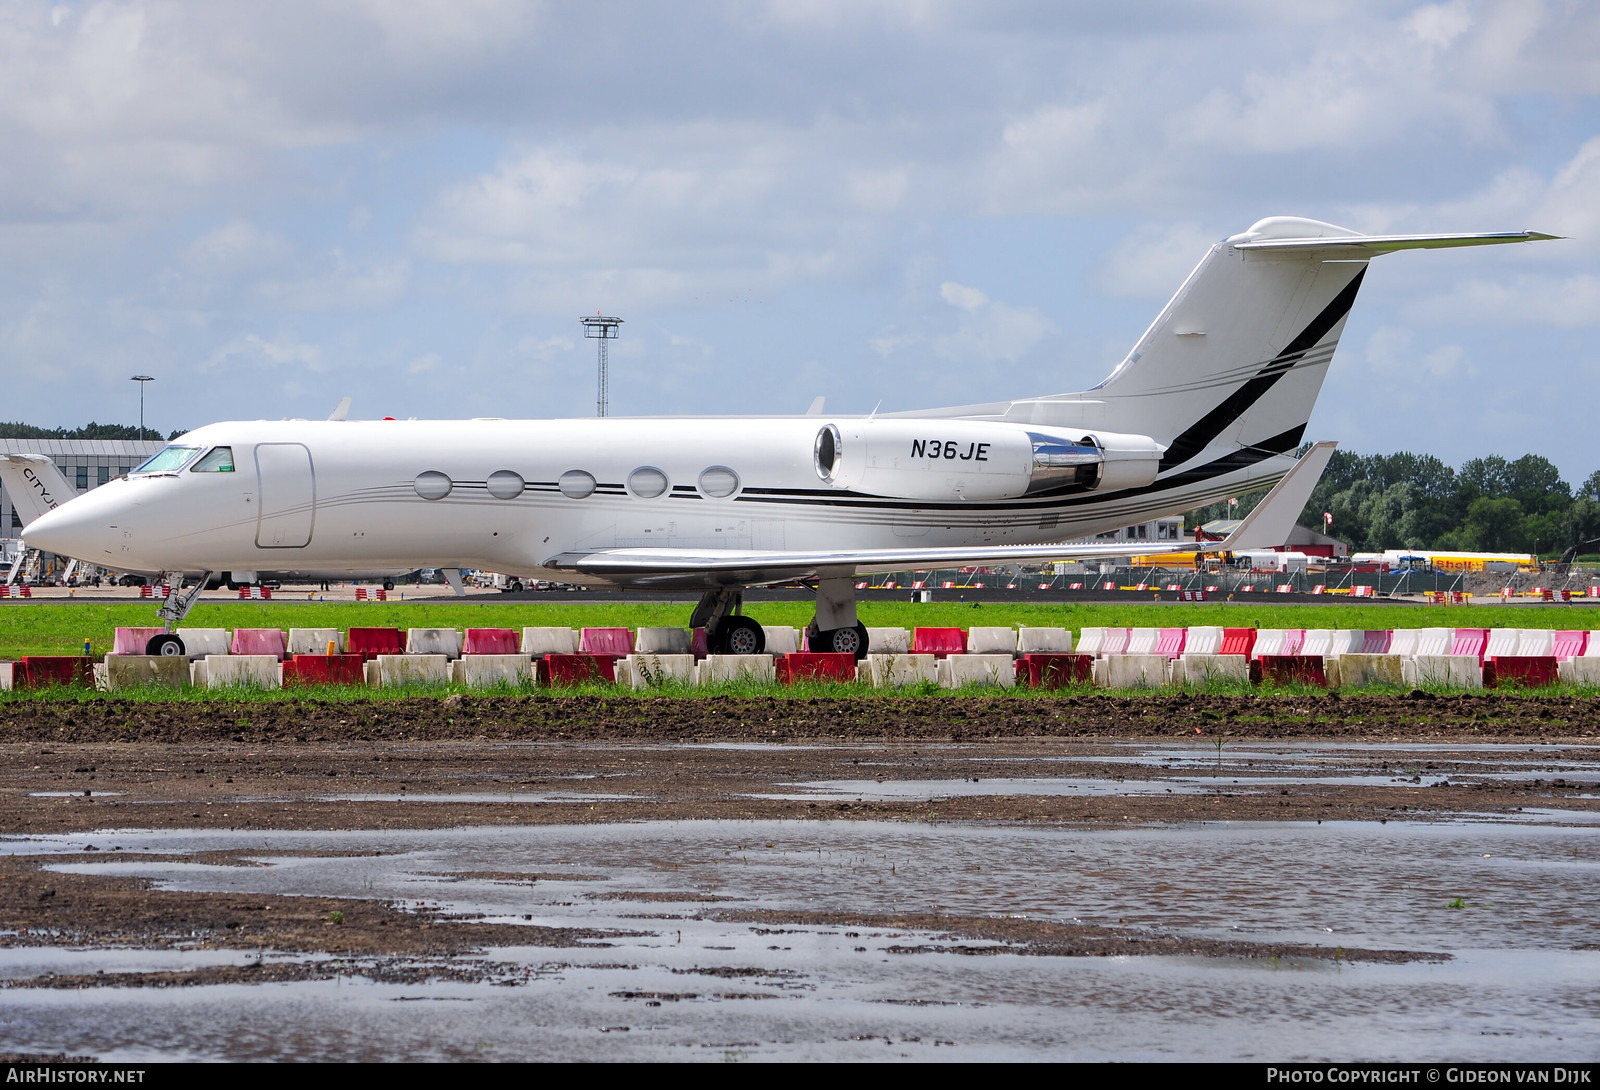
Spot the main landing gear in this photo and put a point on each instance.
(179, 602)
(834, 628)
(728, 631)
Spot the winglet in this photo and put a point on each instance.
(1269, 524)
(342, 411)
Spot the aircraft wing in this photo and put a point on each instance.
(1267, 526)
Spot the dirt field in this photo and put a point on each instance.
(414, 766)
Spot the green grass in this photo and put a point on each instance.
(60, 628)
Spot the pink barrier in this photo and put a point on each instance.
(1375, 641)
(491, 641)
(938, 641)
(606, 641)
(132, 641)
(1171, 642)
(259, 641)
(1470, 641)
(1571, 645)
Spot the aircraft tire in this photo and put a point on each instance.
(388, 584)
(840, 641)
(166, 645)
(737, 636)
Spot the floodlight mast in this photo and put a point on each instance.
(141, 380)
(601, 328)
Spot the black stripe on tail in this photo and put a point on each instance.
(1200, 434)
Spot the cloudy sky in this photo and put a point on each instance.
(269, 206)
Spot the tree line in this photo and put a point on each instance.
(91, 430)
(1415, 501)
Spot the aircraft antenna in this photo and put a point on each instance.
(601, 328)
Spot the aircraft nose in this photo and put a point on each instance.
(74, 529)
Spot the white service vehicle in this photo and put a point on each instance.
(1212, 401)
(1271, 560)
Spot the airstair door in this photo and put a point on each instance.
(287, 492)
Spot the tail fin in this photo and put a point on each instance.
(35, 485)
(1238, 356)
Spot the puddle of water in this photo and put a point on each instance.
(73, 794)
(1518, 986)
(484, 796)
(900, 790)
(1515, 988)
(23, 962)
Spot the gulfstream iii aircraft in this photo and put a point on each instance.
(1212, 401)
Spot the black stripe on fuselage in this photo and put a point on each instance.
(1202, 432)
(1032, 506)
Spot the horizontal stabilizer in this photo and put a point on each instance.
(1357, 245)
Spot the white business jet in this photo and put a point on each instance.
(1211, 402)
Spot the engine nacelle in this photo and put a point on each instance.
(936, 460)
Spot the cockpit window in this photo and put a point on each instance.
(220, 460)
(169, 460)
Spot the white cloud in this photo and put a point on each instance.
(1562, 302)
(342, 284)
(261, 353)
(962, 297)
(985, 331)
(237, 244)
(1154, 260)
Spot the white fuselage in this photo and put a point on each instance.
(363, 495)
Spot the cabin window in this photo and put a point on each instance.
(719, 482)
(220, 460)
(167, 460)
(433, 485)
(575, 484)
(505, 485)
(647, 482)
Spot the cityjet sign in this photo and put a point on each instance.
(38, 486)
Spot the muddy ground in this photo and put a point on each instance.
(67, 768)
(546, 718)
